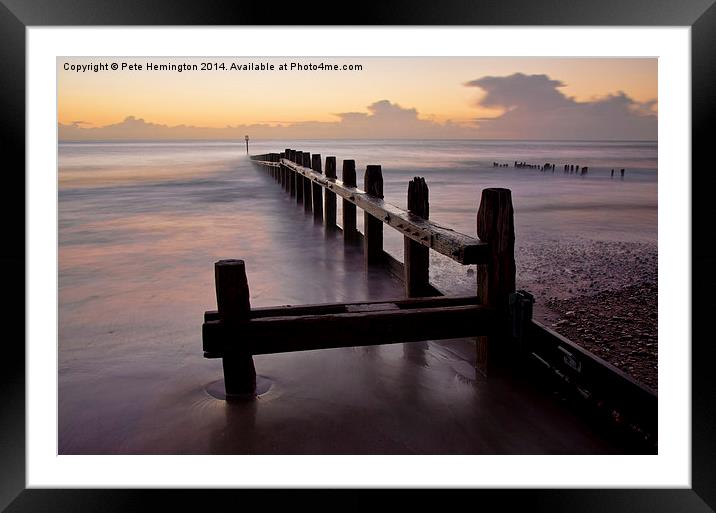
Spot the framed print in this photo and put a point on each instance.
(207, 309)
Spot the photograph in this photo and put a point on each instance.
(357, 255)
(437, 250)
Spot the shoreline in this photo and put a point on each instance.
(601, 295)
(590, 291)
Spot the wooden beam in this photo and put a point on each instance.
(268, 335)
(326, 308)
(589, 372)
(459, 247)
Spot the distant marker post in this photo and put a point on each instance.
(247, 143)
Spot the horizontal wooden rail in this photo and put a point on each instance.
(364, 325)
(459, 247)
(335, 308)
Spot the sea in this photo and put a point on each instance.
(141, 224)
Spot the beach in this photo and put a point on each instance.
(141, 224)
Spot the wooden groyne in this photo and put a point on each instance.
(499, 316)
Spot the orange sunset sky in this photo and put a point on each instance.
(415, 97)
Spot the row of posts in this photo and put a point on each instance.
(416, 256)
(495, 226)
(495, 222)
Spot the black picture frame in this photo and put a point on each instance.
(17, 15)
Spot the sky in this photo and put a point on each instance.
(388, 97)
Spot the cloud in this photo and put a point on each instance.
(383, 119)
(534, 108)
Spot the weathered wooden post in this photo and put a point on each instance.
(274, 158)
(495, 226)
(330, 200)
(291, 178)
(297, 159)
(232, 299)
(317, 189)
(307, 202)
(246, 137)
(496, 279)
(279, 170)
(350, 233)
(281, 174)
(373, 243)
(415, 255)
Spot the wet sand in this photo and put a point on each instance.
(420, 398)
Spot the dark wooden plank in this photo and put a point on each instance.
(300, 333)
(328, 308)
(371, 307)
(593, 375)
(459, 247)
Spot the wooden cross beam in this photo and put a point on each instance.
(455, 245)
(305, 327)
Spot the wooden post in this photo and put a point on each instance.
(298, 178)
(373, 242)
(291, 178)
(330, 201)
(232, 299)
(415, 255)
(317, 189)
(307, 203)
(282, 174)
(496, 279)
(349, 209)
(276, 158)
(496, 226)
(291, 183)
